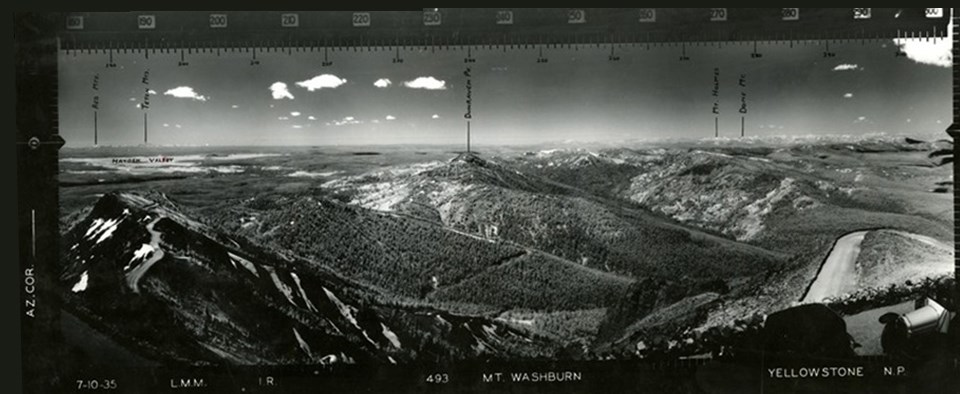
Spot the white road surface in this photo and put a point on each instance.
(838, 275)
(133, 277)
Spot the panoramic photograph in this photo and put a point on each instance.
(421, 205)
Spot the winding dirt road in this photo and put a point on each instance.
(133, 277)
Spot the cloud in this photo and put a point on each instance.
(435, 116)
(177, 126)
(185, 92)
(847, 67)
(375, 121)
(329, 81)
(390, 117)
(311, 117)
(133, 99)
(234, 106)
(279, 91)
(847, 95)
(349, 120)
(294, 114)
(166, 125)
(934, 52)
(909, 120)
(282, 118)
(151, 91)
(860, 119)
(296, 126)
(429, 83)
(382, 83)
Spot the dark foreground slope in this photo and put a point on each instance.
(172, 289)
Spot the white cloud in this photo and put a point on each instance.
(138, 105)
(294, 114)
(909, 120)
(282, 118)
(847, 95)
(296, 126)
(375, 121)
(279, 92)
(151, 91)
(935, 52)
(234, 106)
(860, 119)
(435, 116)
(322, 81)
(429, 83)
(390, 117)
(349, 120)
(166, 125)
(847, 67)
(177, 126)
(311, 117)
(382, 83)
(133, 99)
(185, 92)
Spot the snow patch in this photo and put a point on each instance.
(245, 263)
(391, 336)
(345, 310)
(103, 228)
(303, 294)
(81, 285)
(144, 251)
(282, 287)
(328, 359)
(303, 344)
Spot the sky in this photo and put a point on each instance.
(578, 95)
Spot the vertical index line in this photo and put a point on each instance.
(33, 233)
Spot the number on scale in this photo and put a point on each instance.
(648, 15)
(933, 13)
(718, 14)
(147, 21)
(576, 16)
(504, 17)
(438, 378)
(790, 14)
(861, 13)
(74, 22)
(289, 20)
(361, 19)
(431, 18)
(218, 21)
